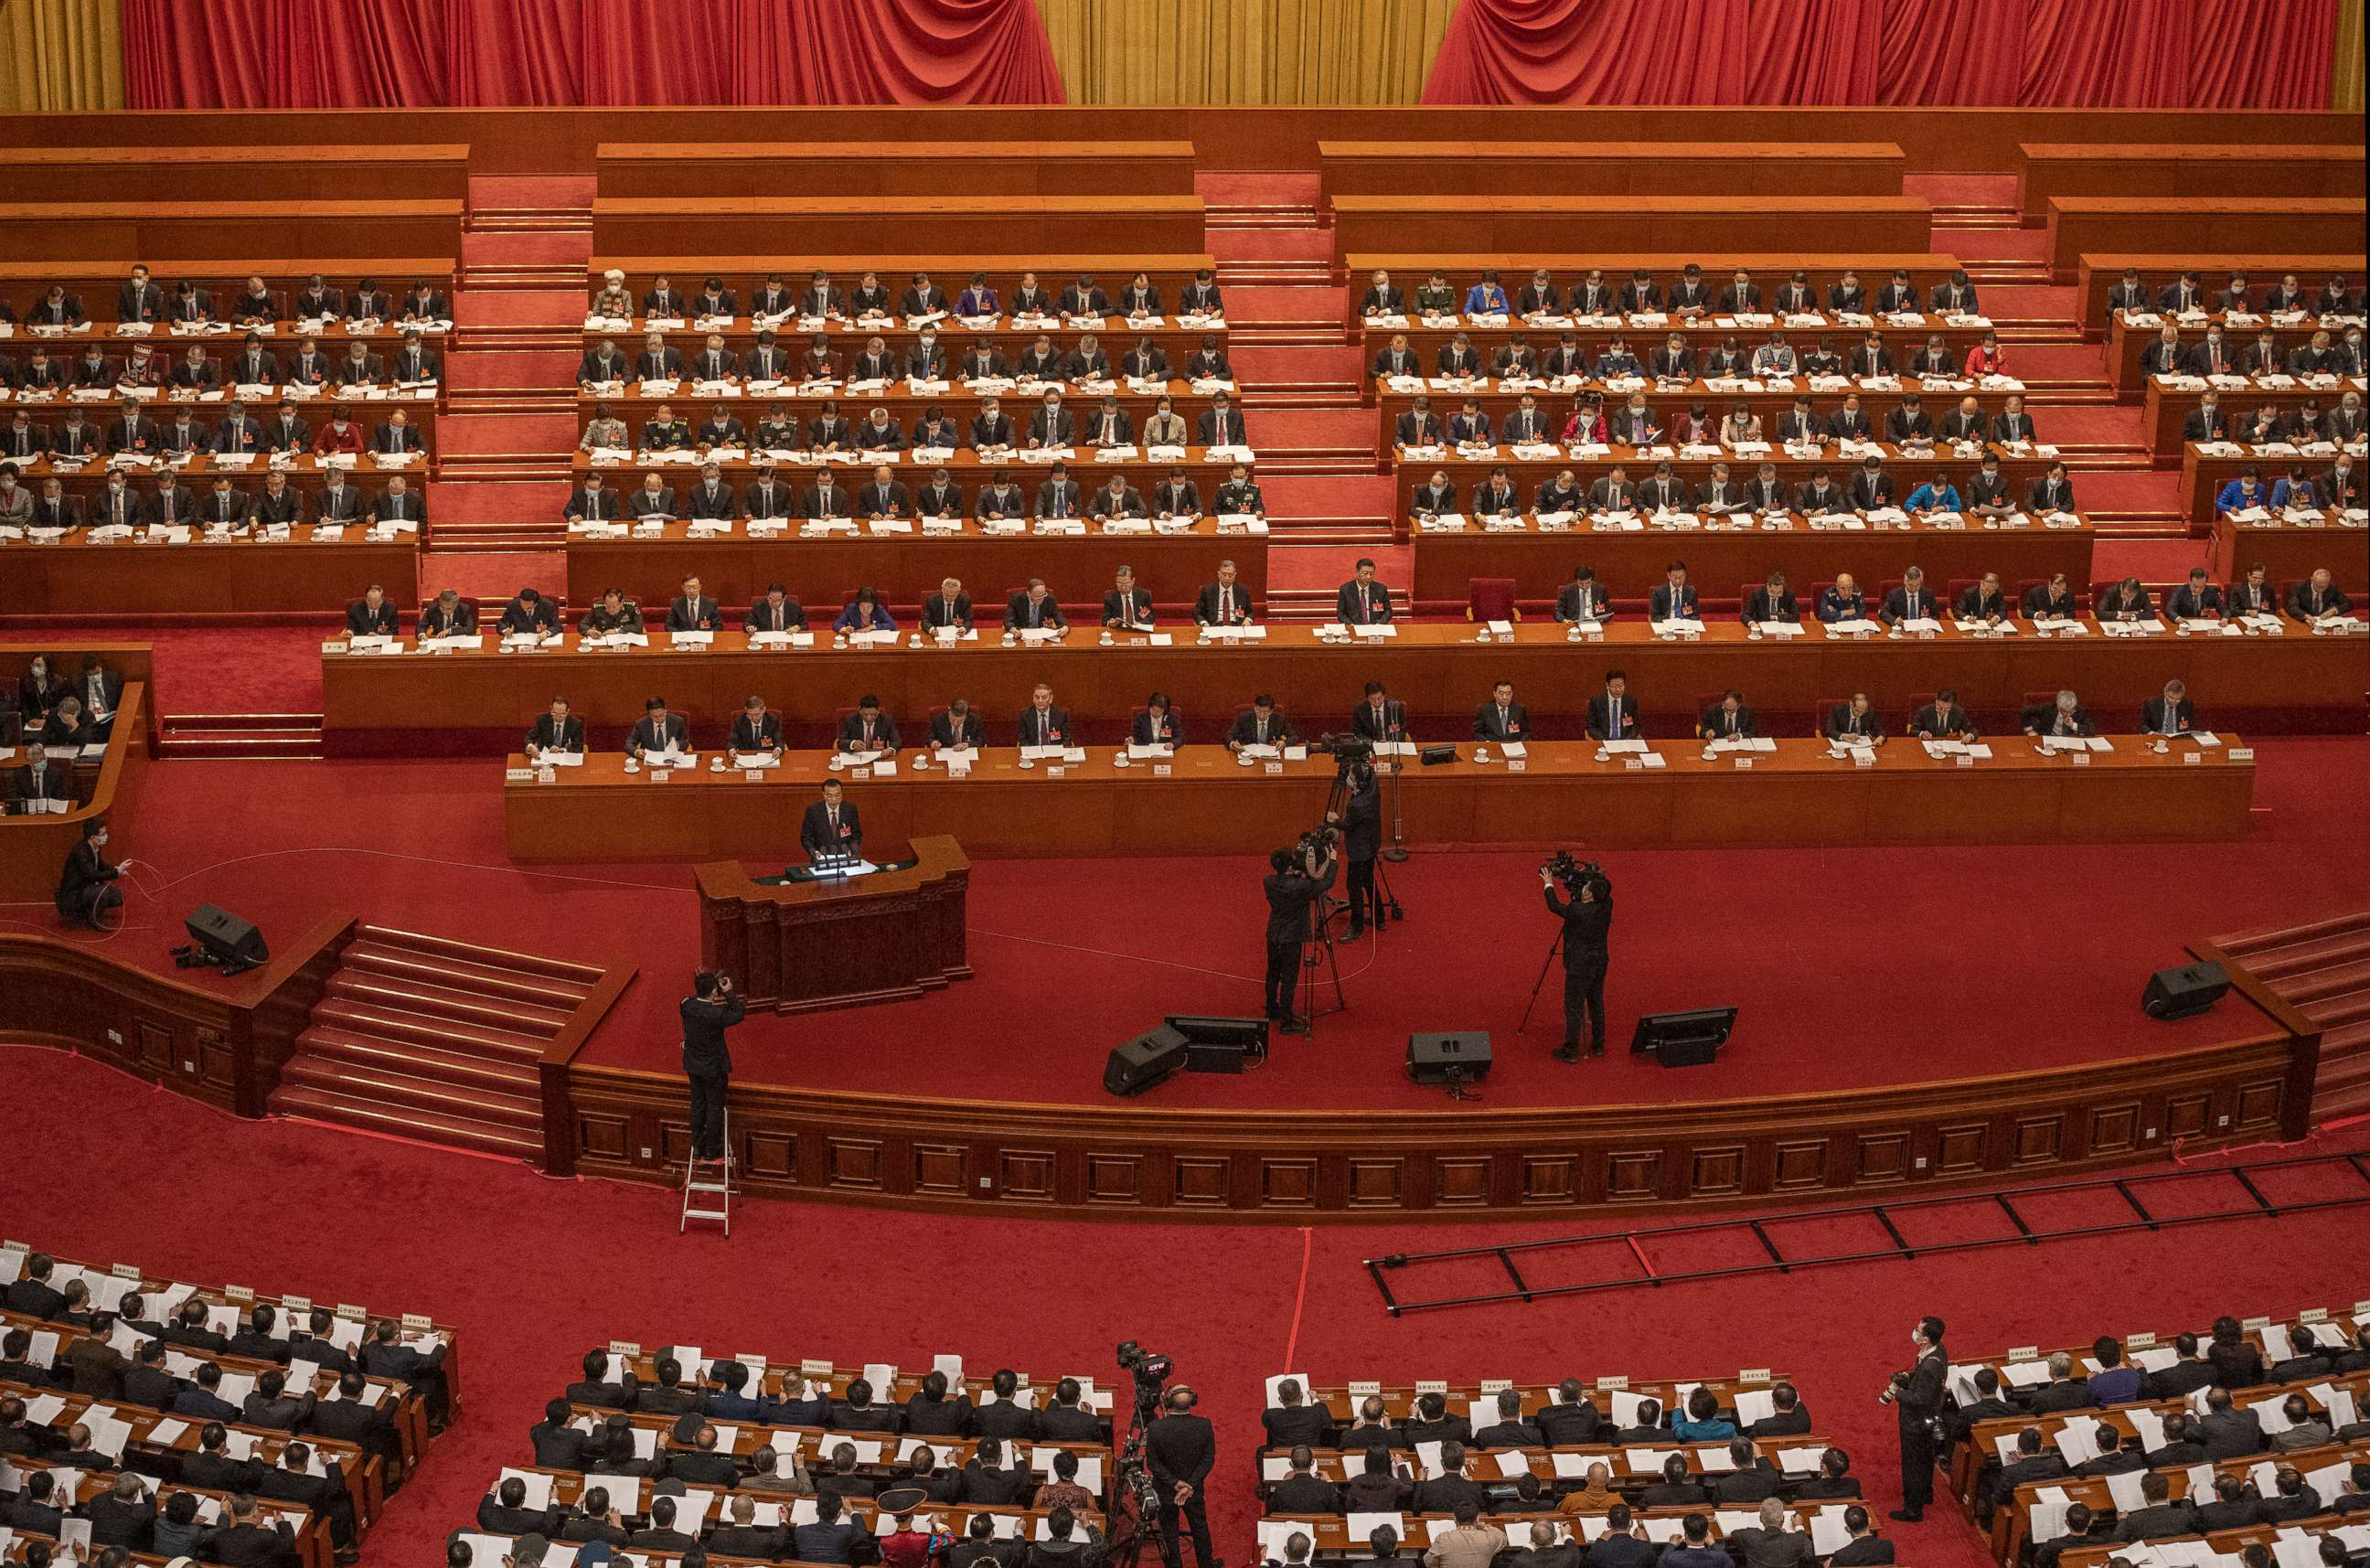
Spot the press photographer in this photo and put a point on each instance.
(1587, 917)
(1297, 878)
(1360, 818)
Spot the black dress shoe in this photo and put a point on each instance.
(1357, 932)
(1909, 1516)
(1596, 1047)
(1566, 1052)
(1290, 1024)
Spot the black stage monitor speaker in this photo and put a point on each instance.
(1144, 1061)
(1434, 755)
(2184, 992)
(1683, 1039)
(224, 937)
(1449, 1058)
(1220, 1044)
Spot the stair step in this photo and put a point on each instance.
(443, 1034)
(366, 1053)
(479, 960)
(2242, 944)
(395, 1091)
(2296, 956)
(461, 1132)
(409, 965)
(376, 989)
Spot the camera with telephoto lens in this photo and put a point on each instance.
(1349, 753)
(1574, 874)
(1317, 841)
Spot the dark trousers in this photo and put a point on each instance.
(707, 1114)
(1916, 1464)
(1197, 1519)
(1282, 980)
(1583, 1001)
(1365, 902)
(92, 906)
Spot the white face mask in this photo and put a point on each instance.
(99, 841)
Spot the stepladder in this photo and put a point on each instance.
(707, 1187)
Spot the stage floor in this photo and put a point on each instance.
(1865, 967)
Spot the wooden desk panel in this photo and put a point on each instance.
(2164, 409)
(2097, 272)
(1112, 224)
(1412, 473)
(2126, 342)
(29, 230)
(2202, 477)
(823, 573)
(892, 168)
(1721, 564)
(2290, 554)
(804, 947)
(2183, 168)
(211, 172)
(2266, 227)
(1211, 805)
(482, 702)
(241, 578)
(1704, 225)
(1610, 168)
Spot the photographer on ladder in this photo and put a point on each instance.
(1296, 879)
(1587, 915)
(711, 1009)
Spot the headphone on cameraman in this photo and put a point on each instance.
(1181, 1397)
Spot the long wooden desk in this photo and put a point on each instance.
(1209, 805)
(887, 225)
(950, 269)
(240, 577)
(2221, 1543)
(330, 226)
(1398, 1399)
(1464, 266)
(2290, 553)
(2012, 1525)
(1773, 396)
(33, 849)
(904, 405)
(2182, 168)
(95, 282)
(2127, 341)
(134, 663)
(823, 573)
(1701, 223)
(1723, 565)
(1412, 473)
(933, 167)
(2268, 225)
(1702, 335)
(208, 173)
(2097, 272)
(482, 702)
(2164, 408)
(2203, 474)
(847, 339)
(964, 467)
(1610, 168)
(419, 408)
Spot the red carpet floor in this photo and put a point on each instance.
(1790, 936)
(533, 1271)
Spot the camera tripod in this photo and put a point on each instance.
(1539, 984)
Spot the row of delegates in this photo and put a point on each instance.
(1584, 598)
(1872, 486)
(2324, 354)
(1692, 295)
(1676, 359)
(714, 499)
(1050, 423)
(141, 297)
(166, 502)
(2303, 424)
(1944, 717)
(182, 432)
(198, 369)
(869, 297)
(2338, 486)
(926, 359)
(2188, 292)
(1638, 423)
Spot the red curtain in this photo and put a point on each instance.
(2044, 53)
(424, 53)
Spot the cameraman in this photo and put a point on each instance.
(1586, 918)
(711, 1009)
(1361, 822)
(1296, 877)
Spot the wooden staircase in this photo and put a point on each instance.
(423, 1038)
(2323, 970)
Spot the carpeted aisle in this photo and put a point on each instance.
(533, 1273)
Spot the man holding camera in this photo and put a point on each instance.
(711, 1009)
(1297, 877)
(1361, 822)
(1587, 915)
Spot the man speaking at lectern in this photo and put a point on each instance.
(708, 1012)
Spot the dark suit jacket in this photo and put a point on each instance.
(946, 731)
(1863, 1552)
(815, 832)
(1514, 725)
(1612, 720)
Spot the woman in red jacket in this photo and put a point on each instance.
(339, 433)
(1987, 358)
(1586, 421)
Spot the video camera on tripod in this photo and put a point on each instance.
(1137, 1496)
(1576, 874)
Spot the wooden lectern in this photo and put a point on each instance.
(802, 947)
